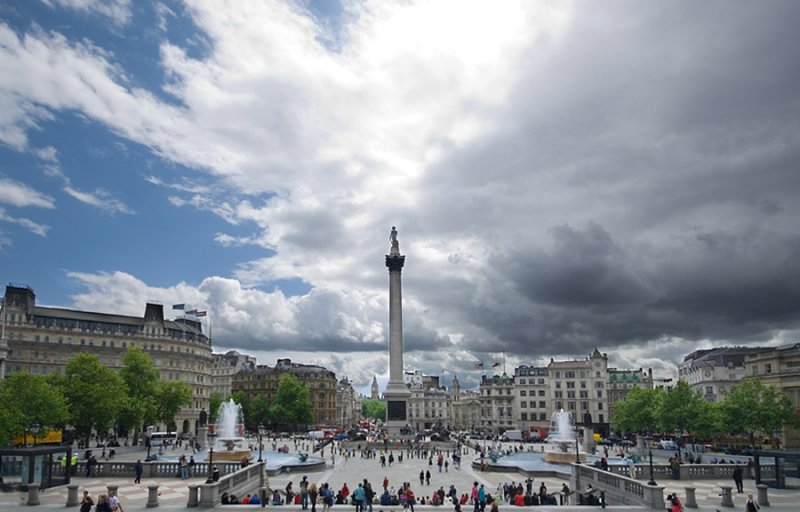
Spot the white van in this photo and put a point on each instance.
(667, 444)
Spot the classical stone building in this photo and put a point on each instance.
(264, 380)
(580, 387)
(348, 404)
(466, 405)
(41, 340)
(497, 396)
(532, 407)
(224, 367)
(713, 371)
(779, 367)
(429, 405)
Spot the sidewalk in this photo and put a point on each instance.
(174, 492)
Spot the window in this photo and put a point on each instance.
(559, 394)
(584, 394)
(542, 416)
(571, 406)
(569, 375)
(709, 390)
(559, 405)
(570, 394)
(584, 406)
(558, 385)
(542, 404)
(600, 418)
(541, 392)
(570, 385)
(523, 393)
(600, 406)
(599, 394)
(524, 416)
(540, 381)
(583, 384)
(523, 404)
(767, 367)
(522, 381)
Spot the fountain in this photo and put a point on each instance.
(230, 444)
(561, 443)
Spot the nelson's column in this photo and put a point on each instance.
(397, 393)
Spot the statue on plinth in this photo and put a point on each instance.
(393, 238)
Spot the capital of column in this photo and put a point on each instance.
(395, 262)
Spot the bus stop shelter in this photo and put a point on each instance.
(22, 466)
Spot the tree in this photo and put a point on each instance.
(372, 408)
(244, 402)
(638, 412)
(171, 396)
(259, 411)
(214, 401)
(751, 407)
(678, 408)
(94, 395)
(292, 404)
(26, 399)
(141, 380)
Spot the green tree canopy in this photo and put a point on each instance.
(141, 381)
(214, 401)
(259, 412)
(171, 396)
(372, 408)
(292, 404)
(680, 408)
(753, 408)
(94, 394)
(26, 398)
(638, 412)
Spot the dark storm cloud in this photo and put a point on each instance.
(642, 186)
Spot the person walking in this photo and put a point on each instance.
(102, 504)
(138, 469)
(427, 478)
(421, 478)
(114, 503)
(737, 479)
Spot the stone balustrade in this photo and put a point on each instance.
(619, 489)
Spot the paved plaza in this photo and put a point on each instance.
(174, 492)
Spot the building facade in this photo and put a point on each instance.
(497, 396)
(224, 367)
(41, 340)
(713, 371)
(779, 367)
(322, 385)
(348, 404)
(580, 387)
(621, 382)
(532, 409)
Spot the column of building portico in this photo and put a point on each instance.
(397, 393)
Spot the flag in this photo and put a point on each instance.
(478, 365)
(200, 313)
(495, 365)
(178, 306)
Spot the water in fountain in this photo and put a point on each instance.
(229, 418)
(230, 445)
(562, 440)
(562, 427)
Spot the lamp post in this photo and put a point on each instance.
(678, 434)
(211, 436)
(35, 431)
(261, 431)
(648, 440)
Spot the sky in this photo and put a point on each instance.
(562, 175)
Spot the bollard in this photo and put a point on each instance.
(112, 489)
(603, 499)
(72, 495)
(152, 496)
(691, 500)
(727, 498)
(33, 494)
(193, 490)
(763, 499)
